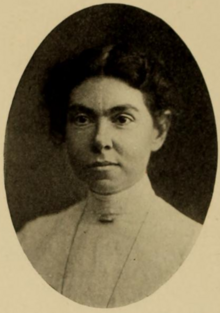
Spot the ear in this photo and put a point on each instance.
(161, 128)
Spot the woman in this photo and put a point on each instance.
(111, 107)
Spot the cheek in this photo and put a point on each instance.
(139, 154)
(137, 144)
(78, 140)
(76, 150)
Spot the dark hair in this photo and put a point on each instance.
(140, 70)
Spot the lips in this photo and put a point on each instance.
(99, 164)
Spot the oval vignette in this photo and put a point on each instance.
(38, 177)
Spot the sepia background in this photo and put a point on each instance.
(196, 286)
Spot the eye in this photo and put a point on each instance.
(123, 119)
(80, 119)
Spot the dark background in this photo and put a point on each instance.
(38, 177)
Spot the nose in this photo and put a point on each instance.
(102, 137)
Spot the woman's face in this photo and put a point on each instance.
(110, 134)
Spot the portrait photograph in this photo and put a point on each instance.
(110, 161)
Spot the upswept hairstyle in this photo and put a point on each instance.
(141, 70)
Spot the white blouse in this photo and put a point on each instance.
(110, 251)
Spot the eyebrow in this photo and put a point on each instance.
(116, 109)
(76, 108)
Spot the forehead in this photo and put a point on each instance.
(105, 93)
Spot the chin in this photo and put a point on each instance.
(105, 187)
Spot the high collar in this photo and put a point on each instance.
(131, 201)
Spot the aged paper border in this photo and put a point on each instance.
(196, 286)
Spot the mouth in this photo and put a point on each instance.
(102, 164)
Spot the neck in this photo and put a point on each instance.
(127, 201)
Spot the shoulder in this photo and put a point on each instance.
(171, 229)
(46, 242)
(46, 226)
(173, 218)
(164, 242)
